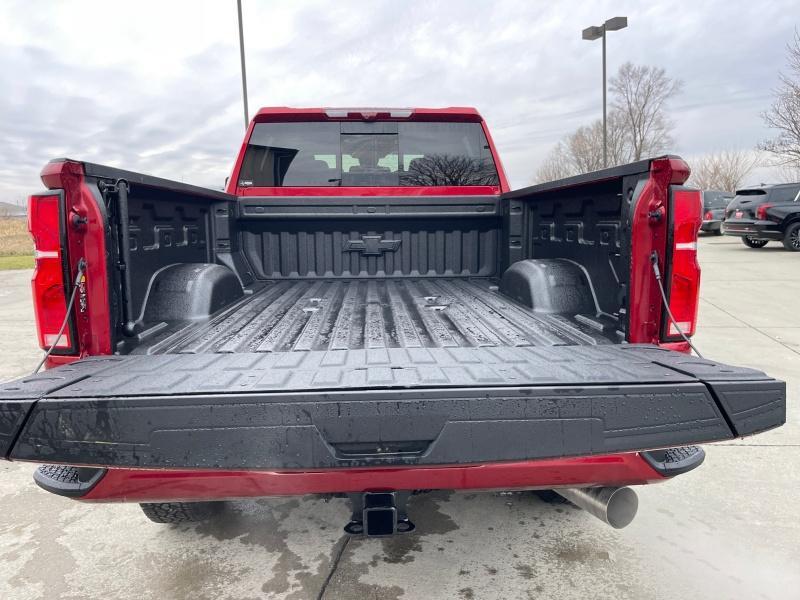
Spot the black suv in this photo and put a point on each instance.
(714, 203)
(772, 212)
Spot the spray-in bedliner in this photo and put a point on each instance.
(313, 315)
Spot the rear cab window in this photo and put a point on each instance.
(358, 153)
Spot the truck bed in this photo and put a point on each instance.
(306, 315)
(317, 333)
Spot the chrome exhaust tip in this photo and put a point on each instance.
(616, 506)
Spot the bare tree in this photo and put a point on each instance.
(619, 147)
(641, 93)
(582, 150)
(586, 144)
(784, 114)
(788, 173)
(723, 170)
(445, 169)
(557, 165)
(638, 126)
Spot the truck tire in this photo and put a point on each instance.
(751, 243)
(791, 238)
(180, 512)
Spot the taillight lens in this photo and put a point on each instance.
(45, 223)
(708, 216)
(761, 212)
(684, 271)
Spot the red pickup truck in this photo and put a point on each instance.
(369, 310)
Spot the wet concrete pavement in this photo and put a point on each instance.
(726, 530)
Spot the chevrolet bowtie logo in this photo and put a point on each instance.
(371, 245)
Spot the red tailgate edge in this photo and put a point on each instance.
(86, 239)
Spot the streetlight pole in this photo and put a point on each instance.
(605, 127)
(597, 32)
(244, 71)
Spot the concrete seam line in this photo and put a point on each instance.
(334, 566)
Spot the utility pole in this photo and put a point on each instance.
(244, 70)
(594, 33)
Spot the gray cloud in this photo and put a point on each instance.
(155, 86)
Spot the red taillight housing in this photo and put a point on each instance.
(46, 223)
(761, 212)
(708, 216)
(683, 271)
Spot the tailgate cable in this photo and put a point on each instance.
(75, 286)
(659, 281)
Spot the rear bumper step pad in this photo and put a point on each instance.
(583, 401)
(675, 461)
(65, 480)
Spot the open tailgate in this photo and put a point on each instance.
(424, 406)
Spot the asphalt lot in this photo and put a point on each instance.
(726, 530)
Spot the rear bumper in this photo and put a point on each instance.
(758, 230)
(713, 225)
(151, 485)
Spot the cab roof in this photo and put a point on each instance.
(284, 113)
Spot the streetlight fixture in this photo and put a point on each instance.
(244, 73)
(596, 33)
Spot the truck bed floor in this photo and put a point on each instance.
(301, 315)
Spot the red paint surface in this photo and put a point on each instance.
(649, 233)
(677, 347)
(150, 485)
(501, 172)
(56, 361)
(87, 241)
(232, 187)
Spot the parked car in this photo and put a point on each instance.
(369, 310)
(714, 204)
(768, 213)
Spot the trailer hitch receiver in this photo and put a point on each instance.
(378, 514)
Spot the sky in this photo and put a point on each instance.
(155, 86)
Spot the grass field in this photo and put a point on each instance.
(16, 262)
(16, 247)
